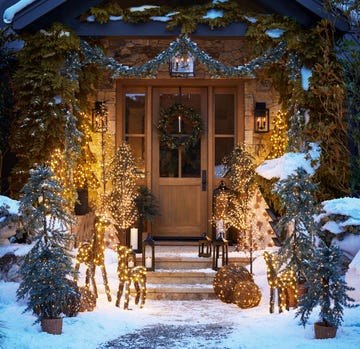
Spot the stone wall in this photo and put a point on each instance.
(135, 52)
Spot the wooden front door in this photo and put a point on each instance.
(179, 176)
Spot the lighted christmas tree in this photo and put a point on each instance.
(241, 174)
(297, 223)
(326, 287)
(278, 137)
(121, 200)
(48, 265)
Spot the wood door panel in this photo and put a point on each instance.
(182, 204)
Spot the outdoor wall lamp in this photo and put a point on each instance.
(100, 117)
(261, 118)
(182, 64)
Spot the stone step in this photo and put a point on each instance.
(179, 292)
(190, 263)
(190, 277)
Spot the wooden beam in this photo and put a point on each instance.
(150, 29)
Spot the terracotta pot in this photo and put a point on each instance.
(323, 332)
(52, 326)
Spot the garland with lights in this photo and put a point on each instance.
(184, 115)
(216, 69)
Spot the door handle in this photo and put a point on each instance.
(203, 180)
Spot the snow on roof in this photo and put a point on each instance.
(11, 11)
(287, 164)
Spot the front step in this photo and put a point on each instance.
(177, 292)
(183, 278)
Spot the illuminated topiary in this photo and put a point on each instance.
(246, 294)
(226, 278)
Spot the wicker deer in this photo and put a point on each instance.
(281, 282)
(127, 275)
(92, 255)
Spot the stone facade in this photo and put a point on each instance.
(135, 52)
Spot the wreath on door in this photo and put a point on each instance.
(179, 117)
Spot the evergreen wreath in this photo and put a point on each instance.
(168, 118)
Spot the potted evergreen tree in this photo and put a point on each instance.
(48, 266)
(326, 289)
(297, 222)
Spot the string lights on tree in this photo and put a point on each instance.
(278, 136)
(121, 200)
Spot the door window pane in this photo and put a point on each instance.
(169, 162)
(134, 113)
(190, 161)
(224, 114)
(223, 146)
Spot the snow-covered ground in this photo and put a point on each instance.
(194, 324)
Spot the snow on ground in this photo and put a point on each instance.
(173, 324)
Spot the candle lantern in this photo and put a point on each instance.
(221, 208)
(182, 63)
(100, 117)
(205, 246)
(131, 259)
(261, 118)
(220, 253)
(148, 253)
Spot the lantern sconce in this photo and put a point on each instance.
(100, 117)
(261, 118)
(148, 253)
(181, 64)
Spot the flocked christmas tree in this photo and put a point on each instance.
(48, 265)
(121, 200)
(297, 223)
(327, 288)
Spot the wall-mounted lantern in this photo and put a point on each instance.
(182, 64)
(100, 117)
(148, 253)
(261, 118)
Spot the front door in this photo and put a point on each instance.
(179, 176)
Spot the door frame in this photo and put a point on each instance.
(212, 85)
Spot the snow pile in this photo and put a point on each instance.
(287, 164)
(341, 217)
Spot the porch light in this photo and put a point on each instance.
(221, 252)
(261, 118)
(100, 117)
(182, 64)
(205, 246)
(148, 253)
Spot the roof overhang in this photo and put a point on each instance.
(42, 13)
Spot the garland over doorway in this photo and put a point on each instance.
(183, 42)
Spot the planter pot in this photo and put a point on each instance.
(52, 326)
(323, 332)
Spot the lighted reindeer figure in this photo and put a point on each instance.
(127, 275)
(92, 255)
(281, 282)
